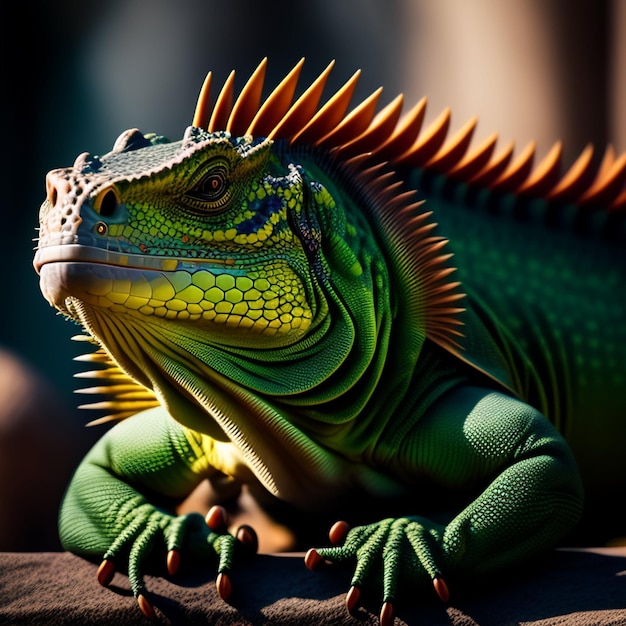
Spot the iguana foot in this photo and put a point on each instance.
(217, 520)
(405, 549)
(206, 535)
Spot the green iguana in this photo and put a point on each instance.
(276, 304)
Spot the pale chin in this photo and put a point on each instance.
(53, 286)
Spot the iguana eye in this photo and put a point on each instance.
(212, 187)
(212, 190)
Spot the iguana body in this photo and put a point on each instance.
(273, 283)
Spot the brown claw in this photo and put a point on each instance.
(312, 559)
(216, 518)
(441, 588)
(386, 614)
(146, 607)
(352, 598)
(224, 586)
(173, 562)
(106, 572)
(338, 532)
(247, 535)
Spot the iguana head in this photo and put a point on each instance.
(209, 230)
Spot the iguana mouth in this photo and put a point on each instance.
(81, 253)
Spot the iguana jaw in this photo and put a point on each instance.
(220, 296)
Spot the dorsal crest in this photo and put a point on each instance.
(387, 135)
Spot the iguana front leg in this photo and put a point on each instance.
(110, 510)
(528, 490)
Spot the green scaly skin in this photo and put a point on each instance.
(255, 291)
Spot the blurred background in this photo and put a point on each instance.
(78, 73)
